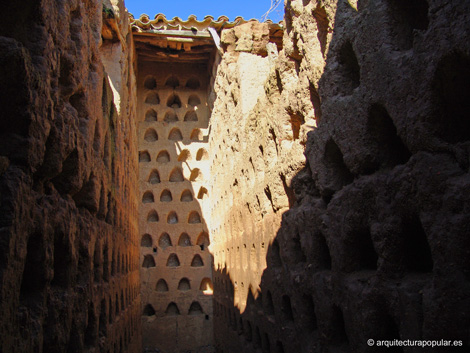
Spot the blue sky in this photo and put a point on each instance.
(183, 8)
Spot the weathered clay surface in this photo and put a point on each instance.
(376, 245)
(69, 271)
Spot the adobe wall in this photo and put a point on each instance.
(69, 249)
(176, 265)
(375, 243)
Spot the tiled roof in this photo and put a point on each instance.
(160, 22)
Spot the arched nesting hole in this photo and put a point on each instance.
(184, 240)
(206, 286)
(191, 116)
(148, 197)
(202, 193)
(202, 155)
(197, 261)
(144, 157)
(194, 100)
(316, 102)
(386, 145)
(296, 121)
(286, 308)
(195, 309)
(172, 218)
(248, 331)
(196, 175)
(148, 310)
(310, 318)
(196, 135)
(172, 81)
(203, 240)
(184, 156)
(266, 344)
(34, 273)
(154, 177)
(151, 135)
(322, 253)
(150, 83)
(408, 16)
(149, 261)
(451, 90)
(184, 284)
(416, 251)
(164, 241)
(268, 304)
(173, 261)
(257, 338)
(175, 135)
(279, 347)
(163, 157)
(166, 196)
(176, 175)
(172, 310)
(193, 83)
(186, 196)
(363, 251)
(152, 98)
(173, 101)
(349, 69)
(162, 286)
(339, 172)
(146, 241)
(275, 254)
(171, 117)
(151, 116)
(338, 335)
(194, 217)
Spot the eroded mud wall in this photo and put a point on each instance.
(375, 244)
(69, 271)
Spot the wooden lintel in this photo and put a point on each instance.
(174, 33)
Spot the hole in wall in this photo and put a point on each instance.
(164, 241)
(175, 135)
(172, 218)
(268, 304)
(197, 261)
(173, 101)
(144, 157)
(149, 261)
(173, 261)
(148, 310)
(151, 116)
(151, 135)
(186, 196)
(196, 135)
(339, 172)
(172, 81)
(146, 241)
(194, 217)
(451, 91)
(171, 117)
(154, 177)
(184, 240)
(193, 83)
(286, 308)
(196, 175)
(203, 240)
(323, 25)
(416, 252)
(152, 98)
(172, 310)
(184, 284)
(163, 157)
(315, 99)
(296, 121)
(148, 197)
(363, 250)
(349, 69)
(161, 286)
(202, 193)
(195, 309)
(191, 116)
(408, 16)
(206, 286)
(166, 196)
(338, 334)
(176, 175)
(150, 83)
(194, 100)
